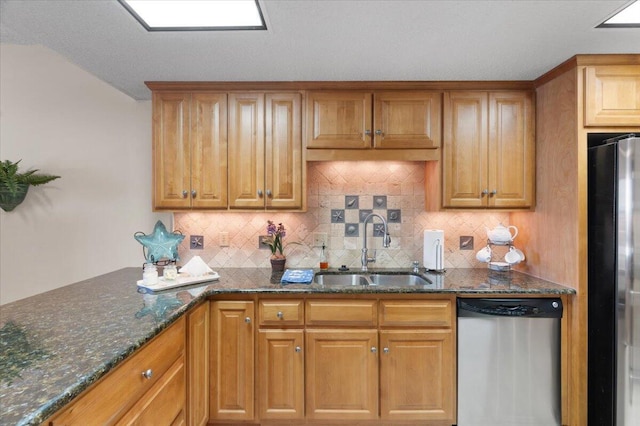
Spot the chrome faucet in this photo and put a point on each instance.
(386, 240)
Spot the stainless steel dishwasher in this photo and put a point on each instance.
(509, 362)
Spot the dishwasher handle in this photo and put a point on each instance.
(524, 308)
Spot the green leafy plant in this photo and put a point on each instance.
(11, 180)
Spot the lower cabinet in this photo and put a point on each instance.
(416, 375)
(198, 366)
(342, 374)
(281, 374)
(232, 361)
(148, 388)
(323, 360)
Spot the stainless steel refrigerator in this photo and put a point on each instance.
(614, 280)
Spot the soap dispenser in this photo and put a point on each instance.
(324, 261)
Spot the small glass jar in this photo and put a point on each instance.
(150, 274)
(170, 272)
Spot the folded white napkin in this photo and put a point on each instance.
(196, 267)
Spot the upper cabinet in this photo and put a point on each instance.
(189, 150)
(363, 120)
(227, 150)
(265, 150)
(612, 95)
(488, 150)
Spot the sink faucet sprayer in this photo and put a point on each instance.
(386, 240)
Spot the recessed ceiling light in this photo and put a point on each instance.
(629, 17)
(196, 15)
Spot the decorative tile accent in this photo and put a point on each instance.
(394, 216)
(337, 216)
(362, 214)
(378, 230)
(352, 230)
(351, 202)
(379, 201)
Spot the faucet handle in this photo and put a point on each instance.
(416, 266)
(386, 240)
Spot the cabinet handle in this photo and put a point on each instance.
(147, 374)
(193, 193)
(374, 349)
(385, 350)
(259, 192)
(280, 315)
(298, 349)
(268, 193)
(379, 132)
(247, 320)
(185, 193)
(484, 192)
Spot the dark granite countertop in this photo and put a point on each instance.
(55, 344)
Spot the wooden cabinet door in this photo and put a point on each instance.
(232, 349)
(464, 153)
(164, 404)
(283, 160)
(341, 374)
(171, 150)
(407, 119)
(209, 150)
(511, 150)
(281, 374)
(612, 95)
(246, 150)
(417, 375)
(339, 120)
(198, 366)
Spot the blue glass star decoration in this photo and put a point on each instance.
(161, 244)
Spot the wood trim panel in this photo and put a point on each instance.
(339, 85)
(578, 60)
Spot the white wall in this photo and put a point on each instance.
(62, 120)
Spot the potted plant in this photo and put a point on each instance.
(275, 235)
(14, 185)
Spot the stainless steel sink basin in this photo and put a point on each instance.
(373, 279)
(398, 279)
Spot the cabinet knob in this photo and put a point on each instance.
(259, 192)
(185, 193)
(484, 192)
(379, 132)
(374, 349)
(193, 193)
(494, 192)
(268, 193)
(385, 350)
(280, 315)
(367, 132)
(247, 320)
(147, 374)
(298, 349)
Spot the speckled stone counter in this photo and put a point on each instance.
(54, 345)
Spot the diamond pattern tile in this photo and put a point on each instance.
(328, 183)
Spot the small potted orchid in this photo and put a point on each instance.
(275, 235)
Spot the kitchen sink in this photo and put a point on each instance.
(364, 279)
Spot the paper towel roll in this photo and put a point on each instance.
(433, 255)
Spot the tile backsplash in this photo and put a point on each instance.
(387, 188)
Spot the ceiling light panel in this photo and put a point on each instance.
(627, 17)
(196, 15)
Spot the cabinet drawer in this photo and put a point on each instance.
(112, 396)
(163, 404)
(341, 313)
(418, 313)
(281, 312)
